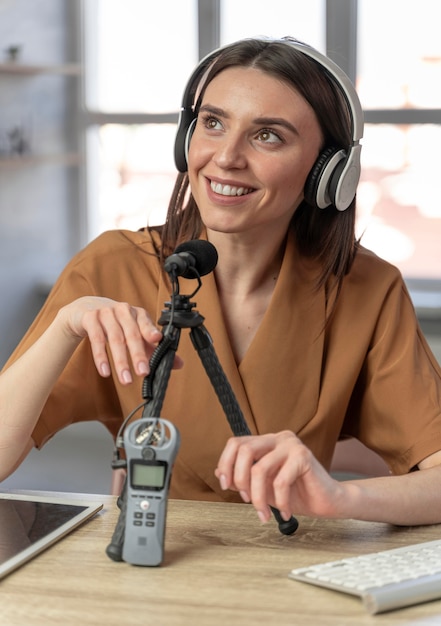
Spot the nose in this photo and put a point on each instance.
(230, 152)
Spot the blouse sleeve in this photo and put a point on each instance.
(396, 405)
(115, 265)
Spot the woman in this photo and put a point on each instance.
(316, 334)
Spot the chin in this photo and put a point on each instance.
(223, 224)
(231, 221)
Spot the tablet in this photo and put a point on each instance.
(31, 523)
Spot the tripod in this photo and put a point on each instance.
(180, 313)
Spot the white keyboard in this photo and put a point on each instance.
(385, 580)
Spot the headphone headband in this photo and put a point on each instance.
(334, 177)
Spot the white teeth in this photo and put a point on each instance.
(228, 190)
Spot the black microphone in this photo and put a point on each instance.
(192, 259)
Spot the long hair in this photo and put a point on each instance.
(325, 235)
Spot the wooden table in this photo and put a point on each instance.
(221, 567)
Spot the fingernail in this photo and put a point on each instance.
(244, 495)
(126, 376)
(143, 368)
(262, 516)
(223, 482)
(105, 369)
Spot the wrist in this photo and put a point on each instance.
(62, 326)
(350, 501)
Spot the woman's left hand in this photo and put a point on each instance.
(278, 470)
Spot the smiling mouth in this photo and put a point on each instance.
(229, 190)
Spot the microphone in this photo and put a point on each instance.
(192, 259)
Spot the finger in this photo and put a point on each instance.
(148, 330)
(97, 340)
(178, 363)
(262, 494)
(282, 487)
(151, 334)
(242, 470)
(299, 463)
(114, 323)
(138, 334)
(227, 459)
(293, 483)
(275, 474)
(237, 459)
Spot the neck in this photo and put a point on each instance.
(246, 265)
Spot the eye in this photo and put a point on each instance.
(267, 135)
(211, 123)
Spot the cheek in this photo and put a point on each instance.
(193, 163)
(291, 180)
(197, 149)
(191, 156)
(198, 157)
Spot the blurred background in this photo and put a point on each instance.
(89, 99)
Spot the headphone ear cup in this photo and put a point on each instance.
(188, 137)
(318, 192)
(183, 135)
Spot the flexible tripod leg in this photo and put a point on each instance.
(204, 346)
(115, 548)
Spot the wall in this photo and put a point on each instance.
(40, 216)
(39, 202)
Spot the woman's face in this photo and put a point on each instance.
(253, 146)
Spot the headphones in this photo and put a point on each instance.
(334, 176)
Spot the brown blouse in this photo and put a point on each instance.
(367, 373)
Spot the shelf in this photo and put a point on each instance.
(21, 69)
(17, 162)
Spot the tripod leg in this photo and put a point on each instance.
(115, 547)
(204, 346)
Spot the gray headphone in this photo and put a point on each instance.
(334, 176)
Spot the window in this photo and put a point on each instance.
(274, 18)
(399, 83)
(139, 55)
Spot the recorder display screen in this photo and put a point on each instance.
(148, 474)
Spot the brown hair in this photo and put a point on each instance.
(325, 235)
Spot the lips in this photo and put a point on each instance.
(229, 190)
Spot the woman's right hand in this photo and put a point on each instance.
(127, 331)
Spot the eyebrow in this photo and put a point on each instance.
(264, 121)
